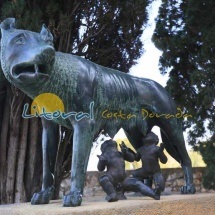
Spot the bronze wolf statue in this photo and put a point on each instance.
(115, 100)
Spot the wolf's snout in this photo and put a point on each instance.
(45, 55)
(39, 64)
(48, 52)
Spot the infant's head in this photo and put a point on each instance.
(108, 144)
(150, 138)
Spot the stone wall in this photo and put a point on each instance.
(174, 180)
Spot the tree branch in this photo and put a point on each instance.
(90, 36)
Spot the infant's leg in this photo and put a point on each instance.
(138, 174)
(107, 185)
(133, 184)
(159, 181)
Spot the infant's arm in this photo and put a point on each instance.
(161, 155)
(137, 156)
(102, 163)
(128, 154)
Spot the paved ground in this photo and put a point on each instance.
(198, 204)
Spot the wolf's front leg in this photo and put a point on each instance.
(82, 141)
(49, 147)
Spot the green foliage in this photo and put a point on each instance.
(122, 23)
(26, 17)
(207, 150)
(185, 34)
(209, 177)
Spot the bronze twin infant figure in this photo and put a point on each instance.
(115, 182)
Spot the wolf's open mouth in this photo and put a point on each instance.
(33, 69)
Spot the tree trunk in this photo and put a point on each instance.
(3, 90)
(3, 145)
(20, 149)
(15, 117)
(31, 155)
(19, 187)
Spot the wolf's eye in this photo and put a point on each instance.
(19, 40)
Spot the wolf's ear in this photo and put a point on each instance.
(8, 24)
(46, 35)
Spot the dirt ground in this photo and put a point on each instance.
(198, 204)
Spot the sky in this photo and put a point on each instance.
(147, 67)
(148, 64)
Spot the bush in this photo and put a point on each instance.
(207, 149)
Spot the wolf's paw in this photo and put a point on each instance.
(188, 189)
(73, 199)
(43, 197)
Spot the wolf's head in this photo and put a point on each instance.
(26, 57)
